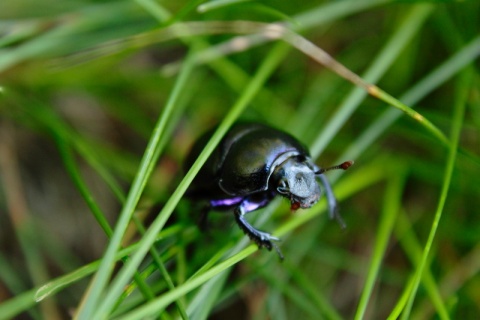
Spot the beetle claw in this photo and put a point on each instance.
(262, 239)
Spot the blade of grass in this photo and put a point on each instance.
(402, 301)
(276, 31)
(272, 32)
(10, 277)
(321, 303)
(433, 80)
(465, 270)
(154, 9)
(92, 297)
(391, 206)
(411, 246)
(401, 38)
(322, 14)
(21, 219)
(11, 308)
(332, 11)
(207, 296)
(289, 292)
(264, 71)
(216, 4)
(163, 271)
(46, 120)
(160, 303)
(71, 167)
(459, 110)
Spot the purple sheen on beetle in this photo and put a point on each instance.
(226, 202)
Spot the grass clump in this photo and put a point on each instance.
(100, 103)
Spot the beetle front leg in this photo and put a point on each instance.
(262, 239)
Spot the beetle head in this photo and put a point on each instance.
(297, 181)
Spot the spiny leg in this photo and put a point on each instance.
(262, 239)
(332, 202)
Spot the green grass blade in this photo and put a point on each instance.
(160, 303)
(412, 247)
(459, 111)
(320, 301)
(216, 4)
(433, 80)
(401, 38)
(391, 206)
(11, 308)
(264, 71)
(146, 166)
(67, 156)
(402, 301)
(157, 11)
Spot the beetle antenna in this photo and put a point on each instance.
(344, 166)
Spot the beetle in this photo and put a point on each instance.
(252, 164)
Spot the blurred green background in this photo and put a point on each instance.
(83, 85)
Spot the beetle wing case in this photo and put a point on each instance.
(251, 159)
(243, 161)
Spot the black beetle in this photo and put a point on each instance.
(251, 165)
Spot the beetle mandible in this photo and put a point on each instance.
(251, 165)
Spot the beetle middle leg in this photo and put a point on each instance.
(262, 239)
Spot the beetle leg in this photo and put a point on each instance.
(262, 239)
(332, 202)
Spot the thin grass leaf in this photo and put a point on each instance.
(163, 271)
(413, 248)
(264, 71)
(160, 303)
(72, 169)
(391, 206)
(155, 9)
(321, 302)
(402, 301)
(430, 82)
(290, 293)
(146, 166)
(459, 111)
(206, 298)
(217, 4)
(26, 300)
(411, 25)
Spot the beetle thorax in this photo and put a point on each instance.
(297, 181)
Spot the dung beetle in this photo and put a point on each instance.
(251, 165)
